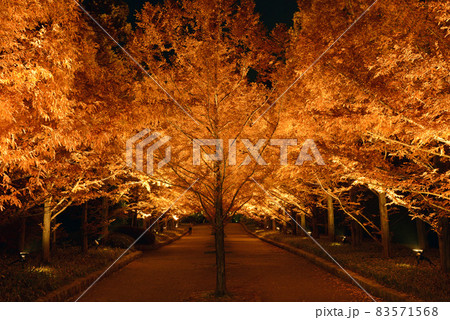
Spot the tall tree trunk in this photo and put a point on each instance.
(23, 233)
(331, 231)
(298, 230)
(105, 219)
(274, 225)
(134, 219)
(220, 256)
(46, 231)
(284, 227)
(444, 244)
(384, 222)
(303, 221)
(421, 234)
(145, 224)
(84, 227)
(354, 226)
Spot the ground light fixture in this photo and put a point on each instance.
(421, 257)
(23, 255)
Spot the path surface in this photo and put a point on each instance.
(256, 271)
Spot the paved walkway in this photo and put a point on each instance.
(256, 271)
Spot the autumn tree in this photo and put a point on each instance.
(61, 123)
(201, 53)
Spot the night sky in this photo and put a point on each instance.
(272, 12)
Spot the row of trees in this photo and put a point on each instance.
(65, 116)
(376, 105)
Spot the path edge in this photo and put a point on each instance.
(373, 287)
(76, 287)
(79, 285)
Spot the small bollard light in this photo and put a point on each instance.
(421, 257)
(23, 255)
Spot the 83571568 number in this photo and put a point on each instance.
(407, 311)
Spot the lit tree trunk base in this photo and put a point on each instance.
(219, 236)
(303, 222)
(267, 223)
(331, 231)
(46, 232)
(298, 230)
(284, 228)
(384, 222)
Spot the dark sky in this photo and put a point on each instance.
(272, 11)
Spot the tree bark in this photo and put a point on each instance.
(421, 234)
(274, 225)
(84, 227)
(298, 230)
(356, 233)
(444, 244)
(134, 219)
(46, 231)
(384, 222)
(331, 230)
(284, 227)
(23, 233)
(220, 256)
(303, 222)
(105, 219)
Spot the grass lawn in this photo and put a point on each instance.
(30, 280)
(400, 272)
